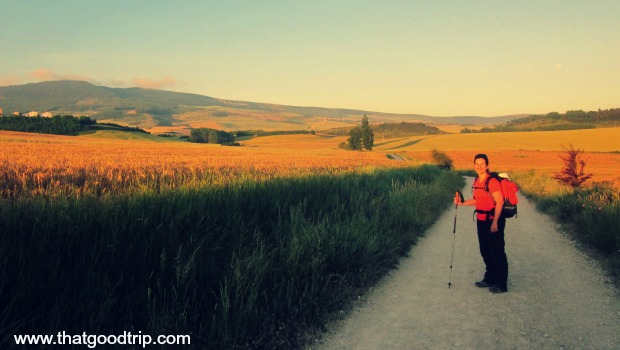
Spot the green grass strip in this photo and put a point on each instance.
(247, 265)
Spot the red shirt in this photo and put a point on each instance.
(484, 201)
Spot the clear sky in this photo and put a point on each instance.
(433, 57)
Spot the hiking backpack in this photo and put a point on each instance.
(509, 192)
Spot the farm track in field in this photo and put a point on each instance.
(558, 297)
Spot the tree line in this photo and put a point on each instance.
(58, 124)
(207, 135)
(404, 129)
(260, 132)
(571, 120)
(391, 130)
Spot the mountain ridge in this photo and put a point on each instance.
(151, 109)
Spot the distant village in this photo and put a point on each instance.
(29, 114)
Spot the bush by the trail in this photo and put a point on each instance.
(441, 159)
(573, 173)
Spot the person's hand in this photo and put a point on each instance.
(494, 226)
(457, 198)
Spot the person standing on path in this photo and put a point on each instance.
(489, 200)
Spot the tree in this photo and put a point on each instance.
(355, 138)
(361, 137)
(573, 172)
(368, 137)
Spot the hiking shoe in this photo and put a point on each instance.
(483, 284)
(495, 289)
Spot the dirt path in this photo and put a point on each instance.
(558, 298)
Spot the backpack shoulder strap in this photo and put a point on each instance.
(492, 175)
(473, 184)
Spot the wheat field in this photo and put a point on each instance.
(591, 140)
(108, 162)
(35, 164)
(512, 152)
(519, 151)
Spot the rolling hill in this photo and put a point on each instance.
(164, 111)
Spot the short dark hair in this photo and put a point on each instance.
(483, 156)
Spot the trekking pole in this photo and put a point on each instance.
(456, 211)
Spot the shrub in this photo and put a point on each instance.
(573, 173)
(441, 159)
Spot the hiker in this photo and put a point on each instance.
(490, 225)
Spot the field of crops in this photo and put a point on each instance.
(512, 152)
(592, 140)
(106, 163)
(35, 164)
(239, 246)
(520, 151)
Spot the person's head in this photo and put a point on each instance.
(481, 163)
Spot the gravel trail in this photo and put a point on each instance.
(558, 297)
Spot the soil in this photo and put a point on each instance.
(558, 297)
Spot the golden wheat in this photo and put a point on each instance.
(44, 164)
(591, 140)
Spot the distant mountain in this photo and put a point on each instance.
(161, 110)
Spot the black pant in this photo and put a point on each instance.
(493, 253)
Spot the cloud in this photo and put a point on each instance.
(43, 74)
(147, 83)
(10, 80)
(116, 83)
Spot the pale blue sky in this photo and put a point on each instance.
(435, 57)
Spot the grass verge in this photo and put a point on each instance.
(248, 265)
(590, 214)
